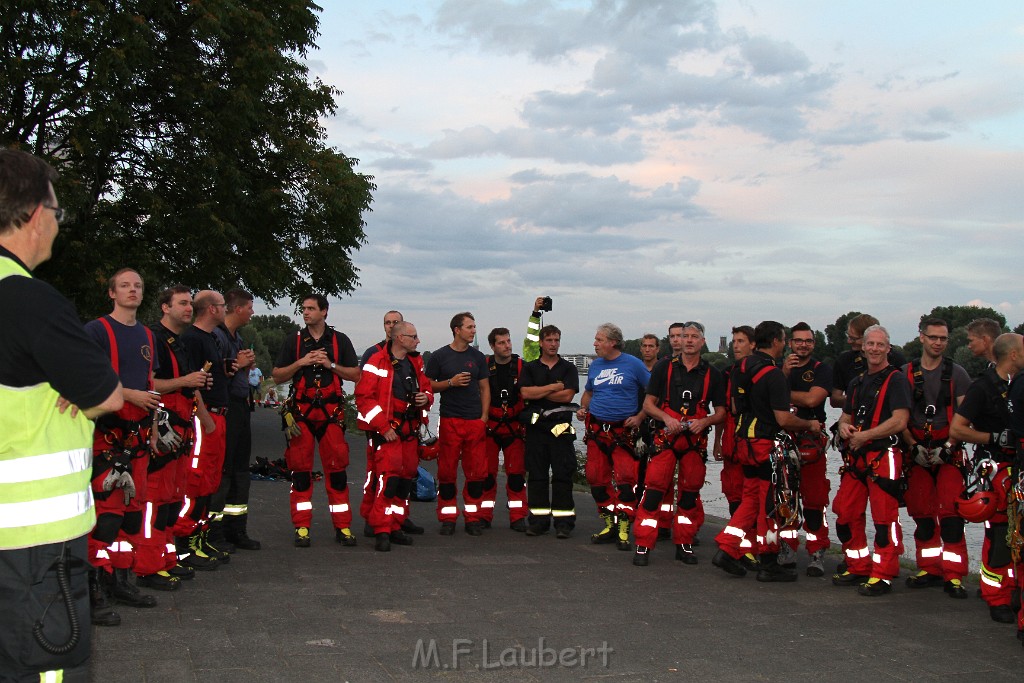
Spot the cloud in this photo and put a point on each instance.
(529, 143)
(769, 57)
(924, 135)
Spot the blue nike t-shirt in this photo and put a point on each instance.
(616, 386)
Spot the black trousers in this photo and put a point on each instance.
(235, 481)
(550, 459)
(30, 592)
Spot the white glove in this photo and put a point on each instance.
(168, 440)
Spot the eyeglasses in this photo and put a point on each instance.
(58, 212)
(216, 305)
(801, 341)
(851, 338)
(695, 325)
(934, 338)
(410, 336)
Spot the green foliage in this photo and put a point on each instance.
(190, 144)
(719, 360)
(835, 335)
(960, 316)
(268, 333)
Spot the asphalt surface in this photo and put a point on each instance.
(506, 607)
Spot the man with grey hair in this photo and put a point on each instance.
(611, 407)
(876, 411)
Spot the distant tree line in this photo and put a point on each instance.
(832, 341)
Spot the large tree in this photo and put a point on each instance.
(190, 143)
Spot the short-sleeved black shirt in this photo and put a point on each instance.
(804, 378)
(203, 347)
(168, 343)
(537, 374)
(687, 380)
(851, 363)
(985, 403)
(897, 396)
(42, 340)
(758, 400)
(291, 351)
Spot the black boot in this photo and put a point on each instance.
(216, 537)
(125, 592)
(99, 603)
(236, 533)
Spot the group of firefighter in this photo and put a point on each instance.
(918, 434)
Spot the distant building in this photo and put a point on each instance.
(722, 346)
(580, 360)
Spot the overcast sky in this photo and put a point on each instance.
(644, 162)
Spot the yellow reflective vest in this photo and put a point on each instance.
(45, 463)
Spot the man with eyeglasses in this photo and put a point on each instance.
(679, 396)
(852, 363)
(810, 383)
(392, 396)
(316, 363)
(505, 432)
(459, 372)
(391, 318)
(206, 471)
(54, 382)
(934, 479)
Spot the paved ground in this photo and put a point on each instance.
(505, 607)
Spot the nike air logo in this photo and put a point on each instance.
(609, 376)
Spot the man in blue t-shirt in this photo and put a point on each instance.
(458, 372)
(613, 412)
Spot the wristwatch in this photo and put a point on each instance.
(333, 365)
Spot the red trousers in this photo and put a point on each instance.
(370, 482)
(881, 474)
(515, 478)
(755, 455)
(612, 477)
(658, 489)
(931, 493)
(154, 545)
(328, 437)
(395, 463)
(461, 440)
(814, 490)
(109, 545)
(202, 479)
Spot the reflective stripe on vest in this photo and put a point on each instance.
(45, 463)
